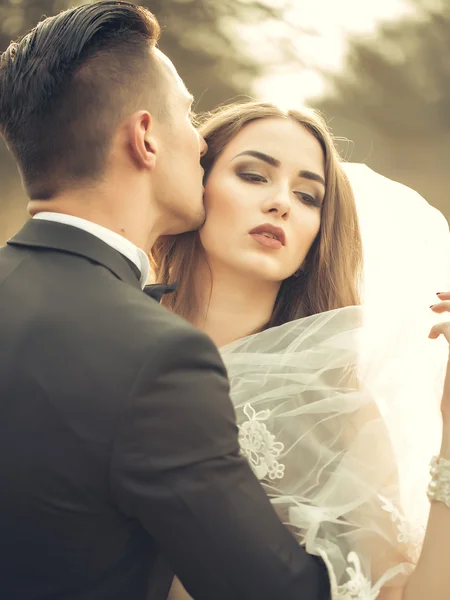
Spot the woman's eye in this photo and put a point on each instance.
(253, 177)
(308, 199)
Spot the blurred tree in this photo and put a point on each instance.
(200, 36)
(392, 98)
(400, 80)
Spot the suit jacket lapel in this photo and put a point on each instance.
(65, 238)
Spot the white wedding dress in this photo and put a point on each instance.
(339, 412)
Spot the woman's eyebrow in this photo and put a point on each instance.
(270, 160)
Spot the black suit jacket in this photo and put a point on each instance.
(118, 443)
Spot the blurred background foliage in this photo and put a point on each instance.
(391, 99)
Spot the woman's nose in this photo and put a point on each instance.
(279, 204)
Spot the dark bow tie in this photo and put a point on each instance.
(157, 290)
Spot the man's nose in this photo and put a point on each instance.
(203, 146)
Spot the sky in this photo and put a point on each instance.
(330, 22)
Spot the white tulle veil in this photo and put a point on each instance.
(339, 412)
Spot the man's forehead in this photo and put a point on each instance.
(184, 91)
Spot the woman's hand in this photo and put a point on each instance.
(443, 329)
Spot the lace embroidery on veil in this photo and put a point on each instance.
(357, 587)
(409, 533)
(259, 445)
(261, 450)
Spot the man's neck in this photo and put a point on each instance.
(109, 212)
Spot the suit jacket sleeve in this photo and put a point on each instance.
(176, 467)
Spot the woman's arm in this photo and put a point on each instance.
(431, 577)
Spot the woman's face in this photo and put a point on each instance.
(263, 200)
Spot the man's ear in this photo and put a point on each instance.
(142, 140)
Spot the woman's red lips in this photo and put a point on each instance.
(270, 232)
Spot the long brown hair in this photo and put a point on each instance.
(330, 275)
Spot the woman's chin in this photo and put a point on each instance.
(265, 275)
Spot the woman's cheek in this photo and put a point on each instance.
(222, 201)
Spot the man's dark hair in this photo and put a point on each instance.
(67, 84)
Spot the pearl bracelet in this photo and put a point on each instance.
(439, 487)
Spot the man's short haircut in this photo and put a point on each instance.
(66, 86)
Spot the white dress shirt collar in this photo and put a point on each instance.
(113, 239)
